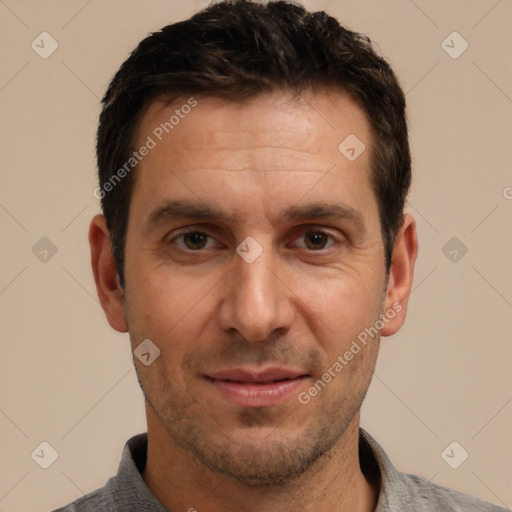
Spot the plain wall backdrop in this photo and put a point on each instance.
(68, 378)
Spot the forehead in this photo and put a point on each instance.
(311, 124)
(273, 148)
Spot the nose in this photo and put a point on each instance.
(255, 301)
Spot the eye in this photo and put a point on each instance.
(194, 240)
(316, 240)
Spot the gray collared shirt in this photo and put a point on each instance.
(399, 492)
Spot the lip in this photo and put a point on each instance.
(257, 389)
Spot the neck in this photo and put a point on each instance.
(334, 483)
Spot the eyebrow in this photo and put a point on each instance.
(187, 209)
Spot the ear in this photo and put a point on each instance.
(401, 273)
(105, 274)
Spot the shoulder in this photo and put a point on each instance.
(125, 491)
(426, 495)
(402, 491)
(96, 501)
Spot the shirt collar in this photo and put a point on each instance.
(395, 493)
(129, 481)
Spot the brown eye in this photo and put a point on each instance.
(316, 240)
(195, 240)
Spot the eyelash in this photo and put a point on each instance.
(303, 234)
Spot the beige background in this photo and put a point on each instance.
(67, 378)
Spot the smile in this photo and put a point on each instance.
(252, 389)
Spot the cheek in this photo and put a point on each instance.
(344, 327)
(338, 310)
(167, 306)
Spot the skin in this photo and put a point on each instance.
(300, 304)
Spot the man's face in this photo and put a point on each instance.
(269, 169)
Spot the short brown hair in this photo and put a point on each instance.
(236, 49)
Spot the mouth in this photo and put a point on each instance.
(256, 389)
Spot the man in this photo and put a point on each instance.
(254, 165)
